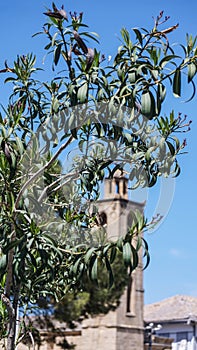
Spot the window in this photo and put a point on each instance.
(181, 335)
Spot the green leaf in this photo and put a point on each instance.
(10, 79)
(147, 259)
(54, 39)
(33, 260)
(177, 170)
(139, 219)
(3, 262)
(90, 36)
(171, 148)
(112, 254)
(148, 104)
(126, 37)
(177, 83)
(11, 200)
(194, 91)
(166, 59)
(153, 181)
(135, 259)
(82, 92)
(138, 35)
(12, 244)
(47, 46)
(154, 54)
(19, 145)
(74, 133)
(192, 68)
(139, 243)
(93, 268)
(161, 90)
(154, 73)
(57, 53)
(76, 266)
(120, 243)
(109, 269)
(105, 164)
(88, 255)
(132, 77)
(106, 248)
(127, 253)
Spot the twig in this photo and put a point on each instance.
(47, 188)
(32, 340)
(46, 166)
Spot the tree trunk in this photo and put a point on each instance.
(11, 323)
(11, 333)
(12, 308)
(10, 299)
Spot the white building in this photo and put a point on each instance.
(178, 317)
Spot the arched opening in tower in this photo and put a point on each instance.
(102, 218)
(117, 187)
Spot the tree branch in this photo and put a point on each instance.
(47, 188)
(46, 166)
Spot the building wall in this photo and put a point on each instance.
(184, 335)
(105, 332)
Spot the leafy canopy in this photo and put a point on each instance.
(112, 114)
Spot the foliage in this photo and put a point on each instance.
(112, 115)
(93, 299)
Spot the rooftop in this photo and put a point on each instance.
(176, 308)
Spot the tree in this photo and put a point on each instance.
(113, 115)
(92, 300)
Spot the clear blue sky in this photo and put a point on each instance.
(173, 245)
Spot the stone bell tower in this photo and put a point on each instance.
(122, 329)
